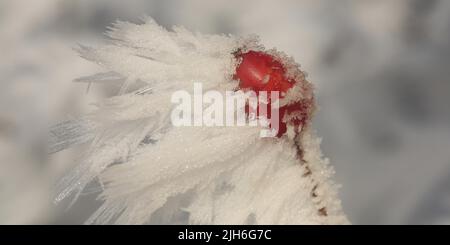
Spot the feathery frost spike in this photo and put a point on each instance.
(153, 172)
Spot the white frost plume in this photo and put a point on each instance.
(153, 172)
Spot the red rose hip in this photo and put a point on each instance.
(260, 71)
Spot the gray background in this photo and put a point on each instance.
(381, 70)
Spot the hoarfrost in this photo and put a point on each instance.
(216, 175)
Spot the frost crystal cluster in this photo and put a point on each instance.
(154, 173)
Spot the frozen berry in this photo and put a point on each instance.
(260, 71)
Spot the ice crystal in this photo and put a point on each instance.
(153, 172)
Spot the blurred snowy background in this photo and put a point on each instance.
(381, 69)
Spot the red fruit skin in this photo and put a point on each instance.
(259, 71)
